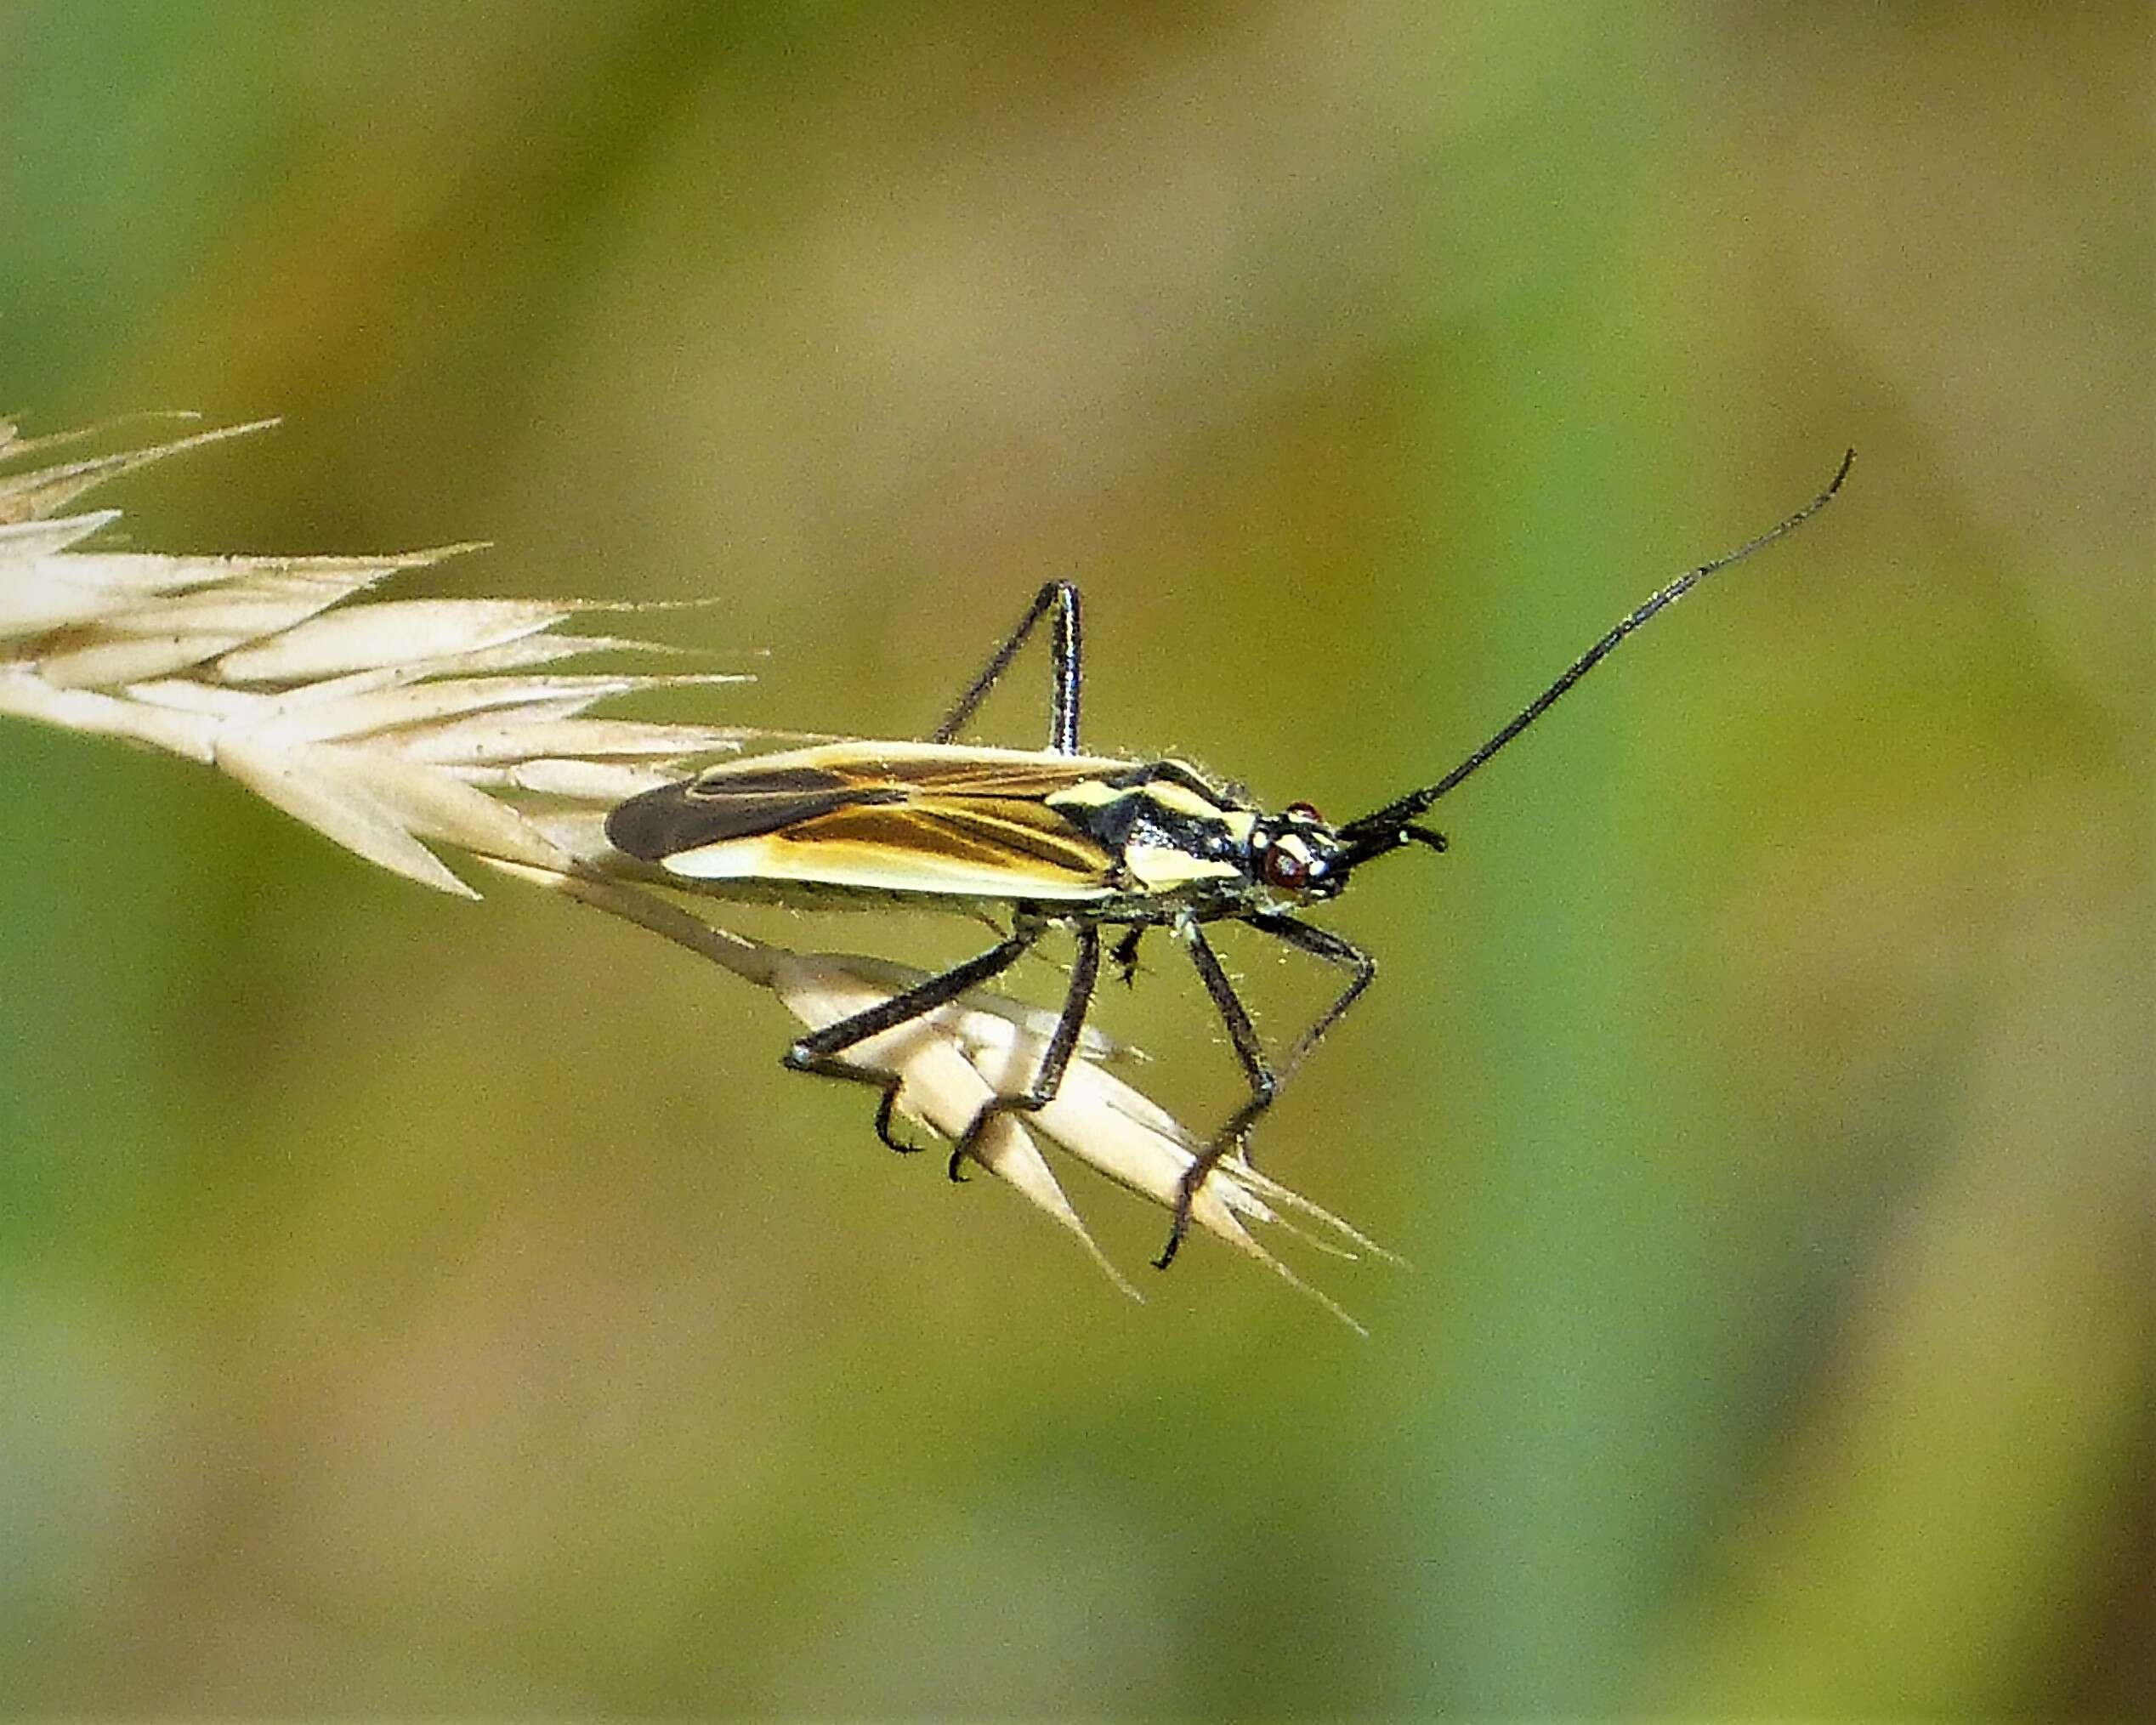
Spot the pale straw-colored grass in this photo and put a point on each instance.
(402, 729)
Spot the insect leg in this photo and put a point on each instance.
(1233, 1014)
(1047, 1076)
(1126, 954)
(1263, 1082)
(1319, 944)
(818, 1051)
(1060, 597)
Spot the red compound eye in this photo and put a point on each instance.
(1308, 811)
(1285, 869)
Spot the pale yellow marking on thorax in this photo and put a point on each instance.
(1181, 799)
(1160, 868)
(1088, 793)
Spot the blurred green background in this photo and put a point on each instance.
(413, 1305)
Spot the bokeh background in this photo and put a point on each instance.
(413, 1305)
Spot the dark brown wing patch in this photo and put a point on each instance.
(738, 805)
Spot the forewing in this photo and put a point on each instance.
(960, 849)
(944, 820)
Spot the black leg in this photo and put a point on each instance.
(1255, 1068)
(1233, 1014)
(1265, 1083)
(818, 1051)
(885, 1130)
(1126, 954)
(1047, 1076)
(1060, 597)
(1319, 944)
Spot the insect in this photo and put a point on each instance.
(1055, 839)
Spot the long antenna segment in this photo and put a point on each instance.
(1384, 827)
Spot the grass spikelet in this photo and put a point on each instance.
(401, 729)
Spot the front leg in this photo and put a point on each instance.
(1265, 1083)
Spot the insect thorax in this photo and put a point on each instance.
(1172, 832)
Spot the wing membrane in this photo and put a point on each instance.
(676, 818)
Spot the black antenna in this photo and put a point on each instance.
(1384, 828)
